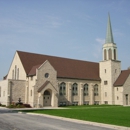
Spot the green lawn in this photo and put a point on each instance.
(116, 115)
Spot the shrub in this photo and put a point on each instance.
(19, 106)
(11, 106)
(3, 105)
(27, 105)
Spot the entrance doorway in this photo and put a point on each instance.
(47, 98)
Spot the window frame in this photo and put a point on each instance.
(62, 89)
(75, 89)
(86, 89)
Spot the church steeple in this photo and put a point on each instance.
(109, 35)
(109, 48)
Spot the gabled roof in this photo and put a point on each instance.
(66, 68)
(43, 86)
(122, 78)
(33, 70)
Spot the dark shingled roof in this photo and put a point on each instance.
(122, 78)
(66, 68)
(33, 70)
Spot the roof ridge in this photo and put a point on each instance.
(65, 67)
(57, 57)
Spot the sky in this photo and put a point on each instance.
(73, 29)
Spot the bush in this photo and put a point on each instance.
(3, 105)
(11, 106)
(27, 105)
(19, 105)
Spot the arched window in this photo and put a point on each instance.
(95, 90)
(105, 55)
(62, 89)
(85, 89)
(110, 54)
(46, 92)
(75, 89)
(114, 54)
(0, 91)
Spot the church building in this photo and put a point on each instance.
(42, 80)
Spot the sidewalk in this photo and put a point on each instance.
(38, 108)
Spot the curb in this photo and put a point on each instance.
(81, 121)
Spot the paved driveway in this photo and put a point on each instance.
(16, 121)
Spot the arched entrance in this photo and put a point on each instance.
(47, 98)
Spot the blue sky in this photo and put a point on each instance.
(66, 28)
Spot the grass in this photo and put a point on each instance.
(116, 115)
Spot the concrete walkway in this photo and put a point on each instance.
(34, 108)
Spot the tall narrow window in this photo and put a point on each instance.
(105, 55)
(110, 54)
(86, 90)
(62, 88)
(12, 74)
(15, 71)
(18, 73)
(75, 89)
(114, 54)
(95, 90)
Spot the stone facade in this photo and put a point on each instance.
(126, 92)
(118, 95)
(16, 90)
(81, 98)
(4, 92)
(109, 72)
(46, 68)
